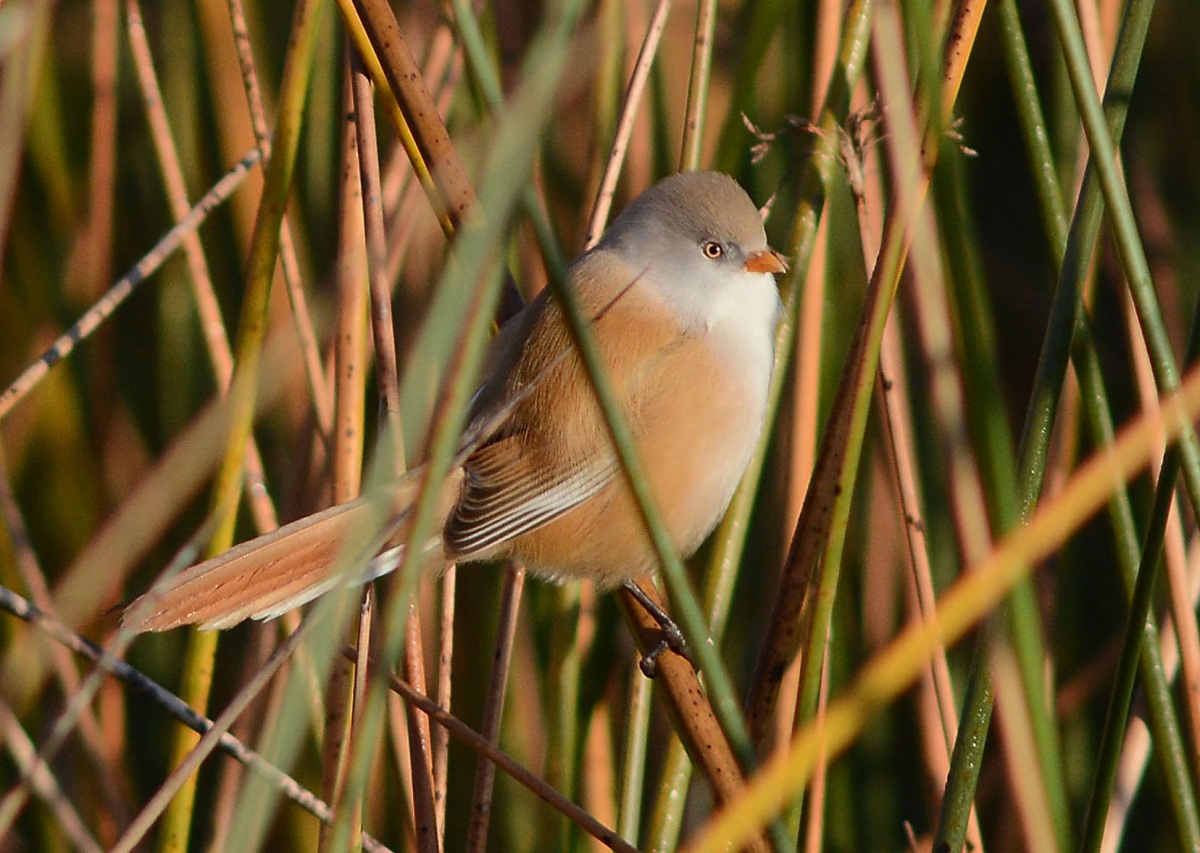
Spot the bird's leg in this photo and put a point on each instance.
(672, 637)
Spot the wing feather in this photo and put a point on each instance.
(505, 494)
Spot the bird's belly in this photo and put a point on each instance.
(694, 449)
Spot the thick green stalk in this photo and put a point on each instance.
(805, 195)
(1141, 637)
(685, 608)
(697, 99)
(633, 760)
(1120, 210)
(1103, 168)
(757, 25)
(252, 328)
(994, 452)
(1163, 721)
(1073, 250)
(505, 177)
(975, 595)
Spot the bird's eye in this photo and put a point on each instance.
(712, 250)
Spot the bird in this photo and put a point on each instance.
(683, 307)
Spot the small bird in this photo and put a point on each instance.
(683, 308)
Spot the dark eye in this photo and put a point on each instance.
(712, 250)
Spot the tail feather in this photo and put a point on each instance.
(267, 576)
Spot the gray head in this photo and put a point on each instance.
(689, 210)
(698, 239)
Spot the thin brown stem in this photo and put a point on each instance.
(288, 263)
(424, 811)
(525, 777)
(350, 370)
(212, 325)
(493, 707)
(629, 109)
(445, 684)
(695, 722)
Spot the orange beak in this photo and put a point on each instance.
(766, 260)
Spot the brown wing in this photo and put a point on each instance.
(553, 451)
(508, 491)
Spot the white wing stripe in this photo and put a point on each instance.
(507, 519)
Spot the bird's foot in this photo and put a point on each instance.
(672, 637)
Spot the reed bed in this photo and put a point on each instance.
(250, 257)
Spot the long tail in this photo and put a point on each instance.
(267, 576)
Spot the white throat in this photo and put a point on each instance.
(738, 312)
